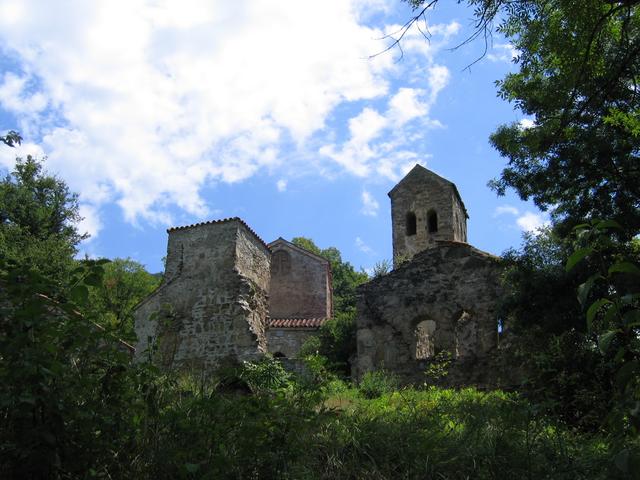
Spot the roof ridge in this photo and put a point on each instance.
(418, 167)
(304, 250)
(222, 220)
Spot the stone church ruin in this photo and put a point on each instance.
(226, 294)
(442, 294)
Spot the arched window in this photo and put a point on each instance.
(432, 221)
(424, 335)
(411, 224)
(279, 355)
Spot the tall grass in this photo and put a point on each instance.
(404, 434)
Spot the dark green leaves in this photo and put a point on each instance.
(576, 256)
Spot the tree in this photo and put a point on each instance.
(11, 139)
(38, 219)
(579, 63)
(124, 284)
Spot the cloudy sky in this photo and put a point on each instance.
(168, 112)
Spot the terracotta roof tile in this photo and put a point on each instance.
(223, 220)
(296, 322)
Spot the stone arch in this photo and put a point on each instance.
(424, 335)
(432, 221)
(411, 224)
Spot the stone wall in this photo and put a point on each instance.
(287, 341)
(213, 301)
(428, 198)
(300, 283)
(445, 298)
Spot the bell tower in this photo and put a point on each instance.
(425, 208)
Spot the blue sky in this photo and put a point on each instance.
(162, 113)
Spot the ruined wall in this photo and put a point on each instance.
(287, 341)
(426, 196)
(300, 283)
(444, 299)
(213, 300)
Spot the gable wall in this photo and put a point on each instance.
(443, 299)
(300, 284)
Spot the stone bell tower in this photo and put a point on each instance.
(425, 208)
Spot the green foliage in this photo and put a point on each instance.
(449, 434)
(438, 368)
(123, 285)
(265, 376)
(381, 268)
(546, 334)
(613, 311)
(38, 218)
(568, 379)
(65, 381)
(72, 406)
(11, 139)
(578, 64)
(536, 287)
(376, 383)
(338, 341)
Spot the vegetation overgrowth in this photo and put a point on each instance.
(72, 405)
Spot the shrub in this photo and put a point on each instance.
(265, 376)
(375, 384)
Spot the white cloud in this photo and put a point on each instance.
(363, 247)
(526, 123)
(423, 39)
(405, 105)
(438, 79)
(530, 222)
(356, 153)
(503, 52)
(370, 205)
(408, 109)
(505, 209)
(90, 222)
(143, 102)
(281, 185)
(526, 221)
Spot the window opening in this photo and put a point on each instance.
(411, 224)
(432, 221)
(424, 335)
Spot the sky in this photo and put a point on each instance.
(288, 114)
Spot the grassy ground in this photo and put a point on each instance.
(429, 433)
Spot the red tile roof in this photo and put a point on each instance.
(296, 322)
(224, 220)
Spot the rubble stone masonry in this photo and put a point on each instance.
(213, 301)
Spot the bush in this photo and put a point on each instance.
(374, 384)
(265, 376)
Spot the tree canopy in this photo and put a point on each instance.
(38, 218)
(124, 284)
(578, 67)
